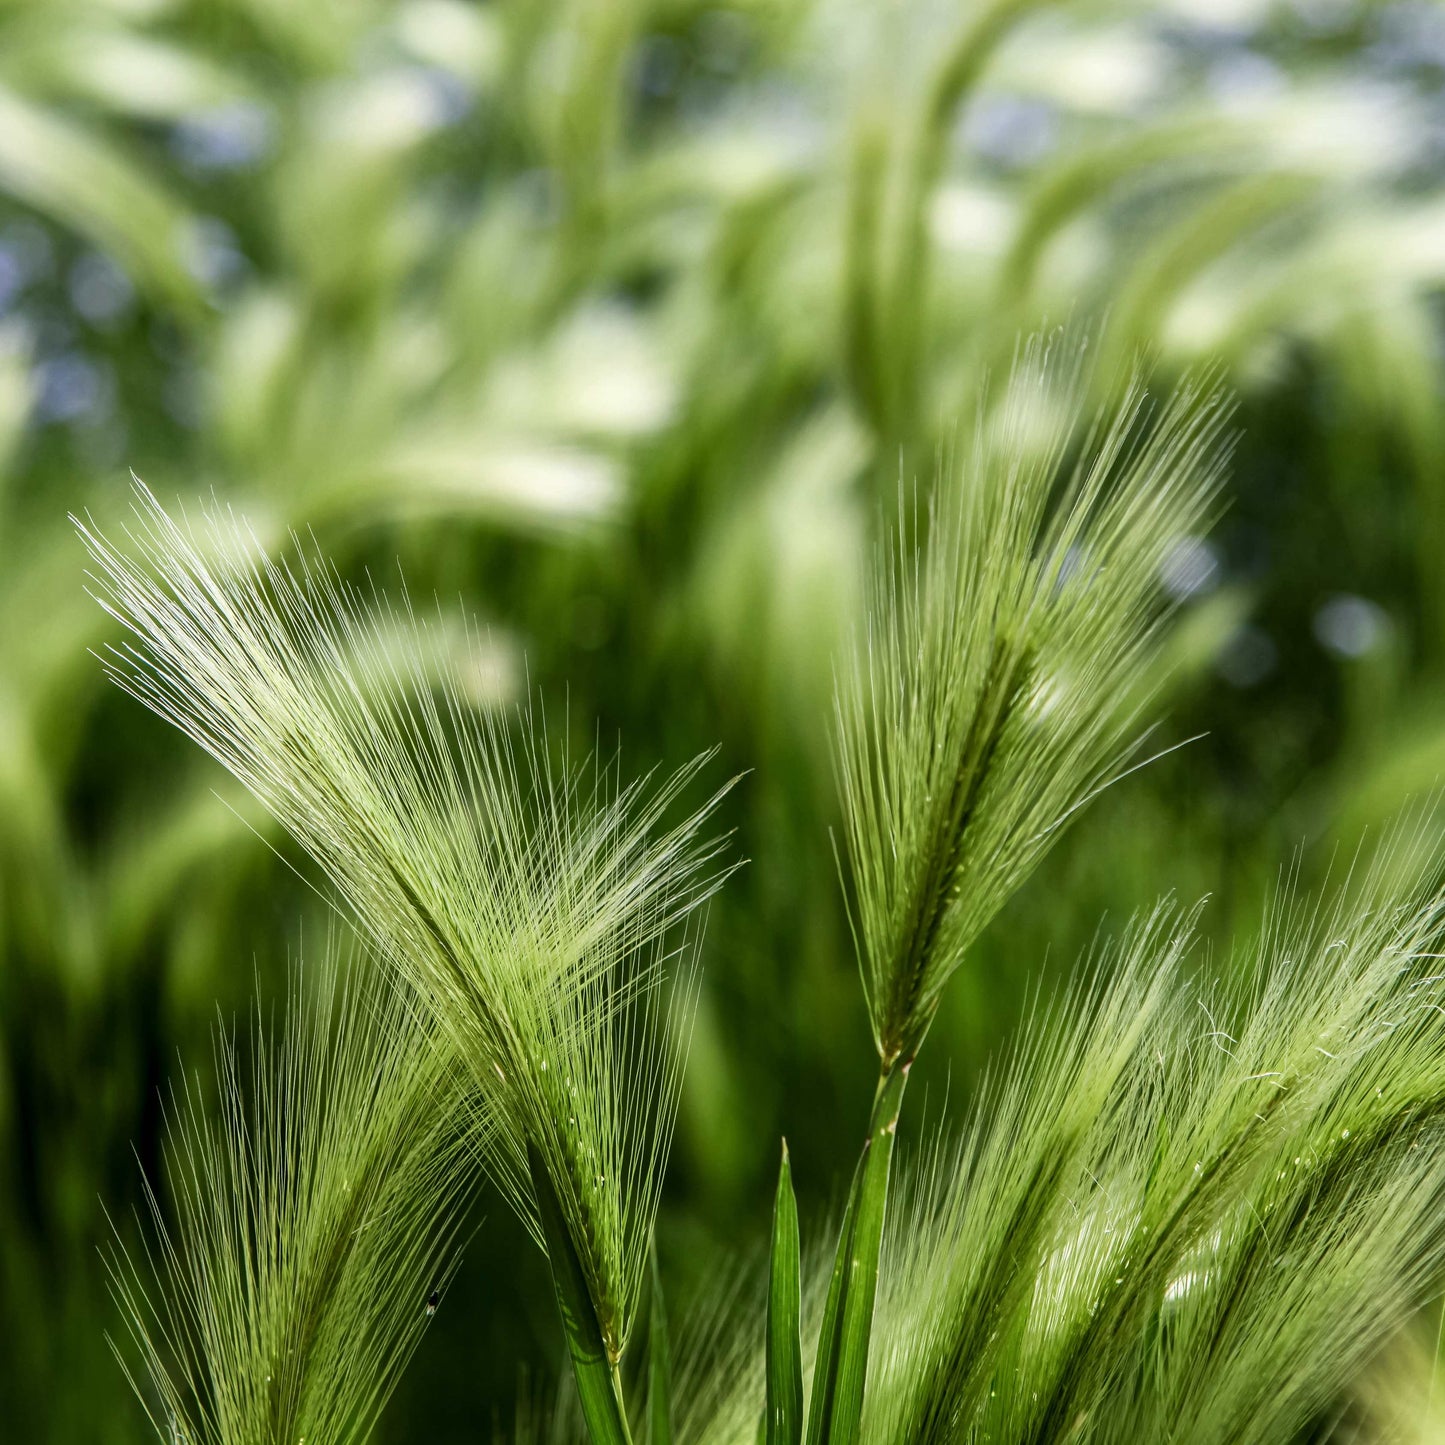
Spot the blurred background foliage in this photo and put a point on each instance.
(614, 324)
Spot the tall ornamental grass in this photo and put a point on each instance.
(1176, 1210)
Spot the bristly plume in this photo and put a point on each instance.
(1183, 1214)
(529, 904)
(315, 1216)
(999, 681)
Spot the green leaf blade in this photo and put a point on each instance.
(784, 1348)
(820, 1408)
(855, 1326)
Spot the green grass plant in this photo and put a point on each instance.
(1182, 1211)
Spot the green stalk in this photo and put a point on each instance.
(599, 1386)
(785, 1352)
(865, 1243)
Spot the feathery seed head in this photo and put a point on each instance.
(313, 1212)
(532, 905)
(1183, 1214)
(1005, 660)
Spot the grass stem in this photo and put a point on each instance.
(599, 1383)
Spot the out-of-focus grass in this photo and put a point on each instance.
(617, 324)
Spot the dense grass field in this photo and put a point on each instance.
(624, 383)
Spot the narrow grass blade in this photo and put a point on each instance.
(825, 1367)
(785, 1353)
(597, 1386)
(861, 1278)
(659, 1366)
